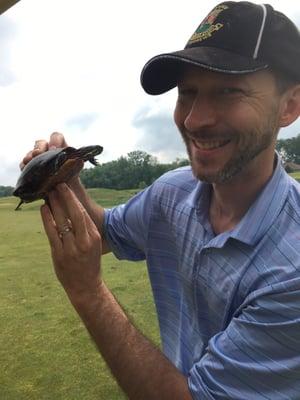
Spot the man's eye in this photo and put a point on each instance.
(231, 90)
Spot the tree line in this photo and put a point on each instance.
(6, 191)
(135, 171)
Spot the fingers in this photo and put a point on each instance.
(64, 226)
(83, 227)
(75, 211)
(76, 258)
(40, 146)
(70, 220)
(56, 140)
(50, 228)
(25, 160)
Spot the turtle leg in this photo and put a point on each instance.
(93, 161)
(19, 205)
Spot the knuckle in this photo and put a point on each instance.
(28, 156)
(40, 145)
(57, 139)
(95, 234)
(40, 142)
(84, 247)
(72, 253)
(26, 160)
(36, 152)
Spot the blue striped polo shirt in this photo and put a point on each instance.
(228, 305)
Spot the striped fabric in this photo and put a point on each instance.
(228, 305)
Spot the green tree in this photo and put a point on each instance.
(136, 170)
(6, 191)
(289, 149)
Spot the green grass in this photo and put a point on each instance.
(45, 351)
(295, 175)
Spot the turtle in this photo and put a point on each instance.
(50, 168)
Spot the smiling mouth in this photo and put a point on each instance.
(209, 145)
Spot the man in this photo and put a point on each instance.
(221, 239)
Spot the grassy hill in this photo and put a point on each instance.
(45, 351)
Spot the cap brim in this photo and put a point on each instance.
(161, 73)
(6, 4)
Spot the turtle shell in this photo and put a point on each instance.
(50, 168)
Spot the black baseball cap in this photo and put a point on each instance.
(235, 38)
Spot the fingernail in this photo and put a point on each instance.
(52, 147)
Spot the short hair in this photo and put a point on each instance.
(283, 82)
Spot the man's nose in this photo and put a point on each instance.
(203, 113)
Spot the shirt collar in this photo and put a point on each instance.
(199, 200)
(264, 211)
(259, 217)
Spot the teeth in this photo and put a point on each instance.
(209, 145)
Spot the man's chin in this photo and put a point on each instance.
(205, 177)
(216, 177)
(203, 174)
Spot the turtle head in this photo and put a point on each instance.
(86, 153)
(24, 195)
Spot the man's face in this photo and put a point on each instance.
(226, 121)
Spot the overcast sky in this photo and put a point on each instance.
(73, 66)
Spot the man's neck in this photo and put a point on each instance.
(230, 201)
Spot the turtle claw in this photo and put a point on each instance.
(93, 161)
(19, 205)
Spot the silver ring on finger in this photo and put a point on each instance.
(66, 228)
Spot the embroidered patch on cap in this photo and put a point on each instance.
(207, 27)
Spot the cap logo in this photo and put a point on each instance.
(207, 27)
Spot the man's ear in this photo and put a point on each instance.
(290, 106)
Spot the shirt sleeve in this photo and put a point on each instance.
(126, 226)
(258, 355)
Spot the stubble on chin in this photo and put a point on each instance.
(248, 146)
